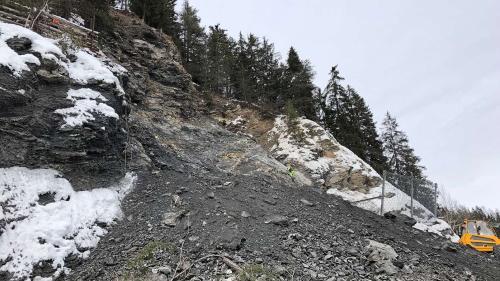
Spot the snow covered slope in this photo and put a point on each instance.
(44, 219)
(307, 147)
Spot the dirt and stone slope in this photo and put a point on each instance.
(211, 204)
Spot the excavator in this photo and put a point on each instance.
(479, 236)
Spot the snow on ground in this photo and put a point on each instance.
(85, 104)
(50, 231)
(305, 153)
(438, 227)
(400, 202)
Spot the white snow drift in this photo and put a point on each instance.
(51, 231)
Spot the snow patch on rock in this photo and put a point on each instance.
(51, 231)
(85, 105)
(307, 144)
(46, 47)
(88, 67)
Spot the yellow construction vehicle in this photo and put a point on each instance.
(477, 235)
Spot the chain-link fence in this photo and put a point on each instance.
(419, 190)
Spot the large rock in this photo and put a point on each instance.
(382, 255)
(19, 44)
(307, 147)
(53, 77)
(398, 216)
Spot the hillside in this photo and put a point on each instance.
(321, 161)
(114, 167)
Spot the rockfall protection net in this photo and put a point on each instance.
(423, 191)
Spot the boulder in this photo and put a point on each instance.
(449, 247)
(19, 44)
(397, 216)
(382, 255)
(230, 239)
(172, 218)
(52, 77)
(277, 220)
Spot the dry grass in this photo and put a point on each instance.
(255, 272)
(139, 264)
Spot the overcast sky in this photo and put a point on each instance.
(433, 64)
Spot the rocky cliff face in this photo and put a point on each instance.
(60, 109)
(306, 145)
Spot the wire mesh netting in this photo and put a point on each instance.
(421, 190)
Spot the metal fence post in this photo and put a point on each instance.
(383, 194)
(411, 203)
(435, 199)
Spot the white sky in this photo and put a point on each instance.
(434, 64)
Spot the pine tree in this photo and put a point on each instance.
(334, 105)
(346, 115)
(95, 13)
(220, 60)
(192, 39)
(63, 8)
(245, 68)
(293, 61)
(159, 14)
(401, 157)
(298, 85)
(268, 72)
(370, 148)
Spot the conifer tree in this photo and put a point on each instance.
(334, 105)
(370, 146)
(269, 72)
(245, 68)
(299, 88)
(346, 115)
(220, 60)
(159, 14)
(192, 39)
(401, 157)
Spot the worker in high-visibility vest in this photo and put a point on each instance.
(291, 171)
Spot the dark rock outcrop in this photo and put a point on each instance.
(33, 135)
